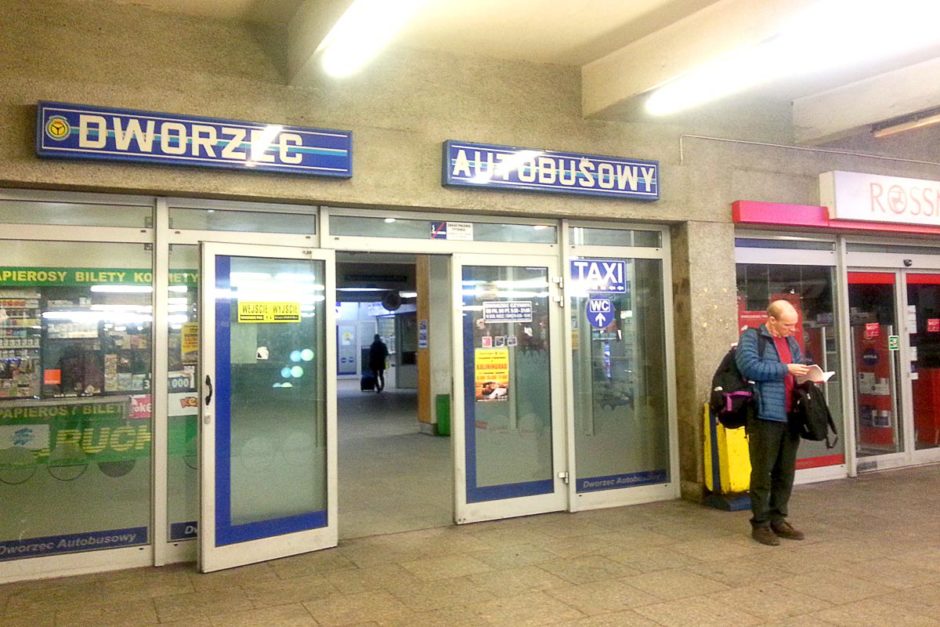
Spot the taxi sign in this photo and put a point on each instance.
(608, 276)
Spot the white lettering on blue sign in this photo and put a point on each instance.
(85, 132)
(600, 312)
(599, 275)
(482, 165)
(71, 543)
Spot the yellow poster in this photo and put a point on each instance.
(266, 312)
(189, 343)
(492, 374)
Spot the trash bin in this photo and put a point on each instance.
(442, 412)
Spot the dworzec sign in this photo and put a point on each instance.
(71, 131)
(875, 198)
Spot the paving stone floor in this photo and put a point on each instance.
(871, 557)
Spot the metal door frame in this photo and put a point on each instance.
(557, 500)
(211, 556)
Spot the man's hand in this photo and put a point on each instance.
(797, 369)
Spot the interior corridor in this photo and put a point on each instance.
(391, 477)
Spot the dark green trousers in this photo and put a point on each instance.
(772, 447)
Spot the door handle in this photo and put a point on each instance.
(208, 385)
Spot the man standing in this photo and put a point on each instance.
(378, 353)
(771, 443)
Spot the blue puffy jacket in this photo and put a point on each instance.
(768, 372)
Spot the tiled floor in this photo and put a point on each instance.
(871, 557)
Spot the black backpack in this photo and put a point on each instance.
(809, 415)
(733, 397)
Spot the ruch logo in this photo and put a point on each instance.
(57, 128)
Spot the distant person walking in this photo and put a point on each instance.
(378, 354)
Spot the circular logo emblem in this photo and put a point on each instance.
(57, 128)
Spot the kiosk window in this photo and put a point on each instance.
(75, 405)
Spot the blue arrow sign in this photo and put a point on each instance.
(600, 312)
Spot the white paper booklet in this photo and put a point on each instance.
(815, 375)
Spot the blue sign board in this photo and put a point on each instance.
(607, 276)
(438, 230)
(600, 312)
(72, 543)
(508, 167)
(71, 131)
(613, 482)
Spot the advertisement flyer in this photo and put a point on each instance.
(492, 374)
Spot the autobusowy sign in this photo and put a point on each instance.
(507, 167)
(90, 132)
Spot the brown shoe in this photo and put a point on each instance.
(765, 536)
(783, 529)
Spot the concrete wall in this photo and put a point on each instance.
(400, 110)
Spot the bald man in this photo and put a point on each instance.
(771, 443)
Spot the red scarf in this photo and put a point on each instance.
(783, 350)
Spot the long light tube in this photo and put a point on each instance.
(362, 32)
(907, 124)
(829, 35)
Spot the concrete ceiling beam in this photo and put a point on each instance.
(609, 85)
(843, 111)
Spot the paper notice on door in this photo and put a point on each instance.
(815, 374)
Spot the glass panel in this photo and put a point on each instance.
(810, 290)
(790, 244)
(242, 221)
(380, 227)
(621, 419)
(183, 400)
(271, 332)
(872, 313)
(584, 236)
(422, 229)
(74, 214)
(75, 405)
(536, 234)
(887, 248)
(507, 382)
(923, 295)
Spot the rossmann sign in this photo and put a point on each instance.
(70, 131)
(874, 198)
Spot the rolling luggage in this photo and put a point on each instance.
(367, 383)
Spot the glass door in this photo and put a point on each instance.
(508, 423)
(923, 306)
(876, 343)
(268, 413)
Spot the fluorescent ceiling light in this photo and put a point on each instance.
(829, 35)
(362, 32)
(906, 124)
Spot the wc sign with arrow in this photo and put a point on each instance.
(600, 312)
(597, 277)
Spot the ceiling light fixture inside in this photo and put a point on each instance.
(909, 123)
(362, 32)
